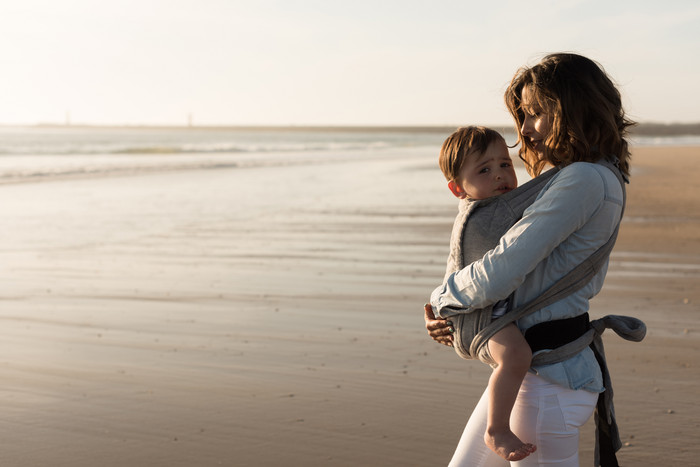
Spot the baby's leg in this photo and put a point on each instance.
(511, 352)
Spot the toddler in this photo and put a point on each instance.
(477, 165)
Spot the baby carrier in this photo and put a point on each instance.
(482, 223)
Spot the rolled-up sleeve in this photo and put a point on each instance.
(563, 207)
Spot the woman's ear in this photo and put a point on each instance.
(457, 189)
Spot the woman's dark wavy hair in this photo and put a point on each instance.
(584, 106)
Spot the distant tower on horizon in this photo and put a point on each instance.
(68, 118)
(189, 119)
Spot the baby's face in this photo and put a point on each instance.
(488, 174)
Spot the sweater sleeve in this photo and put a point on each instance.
(563, 207)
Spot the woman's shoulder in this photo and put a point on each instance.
(591, 177)
(579, 175)
(583, 169)
(582, 183)
(587, 174)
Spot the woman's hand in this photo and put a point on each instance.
(440, 330)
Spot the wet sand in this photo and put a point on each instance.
(273, 316)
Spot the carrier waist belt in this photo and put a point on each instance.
(553, 334)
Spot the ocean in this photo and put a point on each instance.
(40, 152)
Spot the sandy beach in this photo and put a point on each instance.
(272, 316)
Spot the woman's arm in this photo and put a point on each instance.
(563, 207)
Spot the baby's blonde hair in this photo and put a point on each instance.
(462, 143)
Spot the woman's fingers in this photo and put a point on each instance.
(440, 326)
(440, 330)
(429, 315)
(445, 339)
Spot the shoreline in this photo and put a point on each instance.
(47, 168)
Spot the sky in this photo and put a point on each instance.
(329, 62)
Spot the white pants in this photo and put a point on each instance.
(545, 414)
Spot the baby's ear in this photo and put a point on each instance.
(457, 189)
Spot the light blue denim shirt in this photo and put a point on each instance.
(574, 214)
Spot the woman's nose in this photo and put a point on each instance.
(526, 127)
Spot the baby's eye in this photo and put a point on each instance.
(505, 164)
(484, 170)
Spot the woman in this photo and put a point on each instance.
(569, 115)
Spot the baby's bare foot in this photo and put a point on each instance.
(507, 445)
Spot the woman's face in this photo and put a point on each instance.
(537, 122)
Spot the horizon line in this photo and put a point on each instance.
(649, 128)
